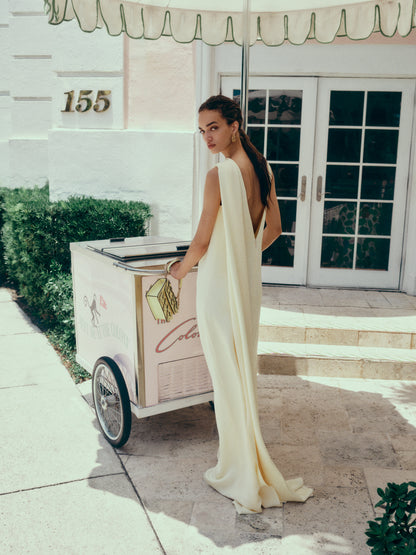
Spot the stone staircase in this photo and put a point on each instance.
(365, 334)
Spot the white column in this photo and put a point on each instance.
(83, 62)
(30, 44)
(408, 282)
(5, 120)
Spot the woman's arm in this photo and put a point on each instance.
(273, 222)
(199, 245)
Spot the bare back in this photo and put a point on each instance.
(252, 186)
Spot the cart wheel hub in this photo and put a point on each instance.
(108, 401)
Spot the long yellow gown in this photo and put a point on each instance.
(228, 311)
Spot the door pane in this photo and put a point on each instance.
(283, 143)
(256, 135)
(288, 215)
(285, 107)
(286, 179)
(337, 252)
(344, 145)
(341, 181)
(256, 110)
(383, 109)
(375, 218)
(380, 146)
(339, 217)
(378, 182)
(346, 108)
(281, 252)
(373, 254)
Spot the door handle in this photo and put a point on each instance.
(319, 189)
(303, 188)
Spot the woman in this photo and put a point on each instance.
(238, 200)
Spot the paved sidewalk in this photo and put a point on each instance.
(63, 489)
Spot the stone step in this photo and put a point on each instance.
(344, 361)
(395, 329)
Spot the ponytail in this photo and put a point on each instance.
(231, 112)
(260, 166)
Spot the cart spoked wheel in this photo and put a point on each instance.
(111, 402)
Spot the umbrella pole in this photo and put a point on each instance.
(245, 63)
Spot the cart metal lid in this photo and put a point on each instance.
(139, 248)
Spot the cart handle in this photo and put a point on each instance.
(140, 270)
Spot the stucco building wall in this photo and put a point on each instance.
(140, 148)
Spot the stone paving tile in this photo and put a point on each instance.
(63, 443)
(215, 520)
(404, 442)
(407, 460)
(301, 296)
(281, 333)
(170, 434)
(168, 478)
(95, 516)
(400, 300)
(376, 299)
(355, 449)
(384, 339)
(170, 519)
(282, 384)
(380, 477)
(337, 516)
(299, 461)
(332, 336)
(383, 424)
(298, 427)
(343, 477)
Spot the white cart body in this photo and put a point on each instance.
(161, 361)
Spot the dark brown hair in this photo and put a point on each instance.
(231, 112)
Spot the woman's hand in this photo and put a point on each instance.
(176, 270)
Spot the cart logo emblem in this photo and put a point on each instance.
(184, 331)
(103, 303)
(95, 315)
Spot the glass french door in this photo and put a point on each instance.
(339, 151)
(360, 182)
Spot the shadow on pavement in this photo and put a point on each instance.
(345, 439)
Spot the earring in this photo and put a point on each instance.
(233, 138)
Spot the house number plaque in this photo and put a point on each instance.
(87, 100)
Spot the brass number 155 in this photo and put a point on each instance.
(85, 103)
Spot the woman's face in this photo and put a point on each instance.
(215, 130)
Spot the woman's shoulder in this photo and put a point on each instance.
(212, 180)
(213, 173)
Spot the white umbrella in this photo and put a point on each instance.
(244, 22)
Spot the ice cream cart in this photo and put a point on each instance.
(134, 334)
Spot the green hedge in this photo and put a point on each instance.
(34, 248)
